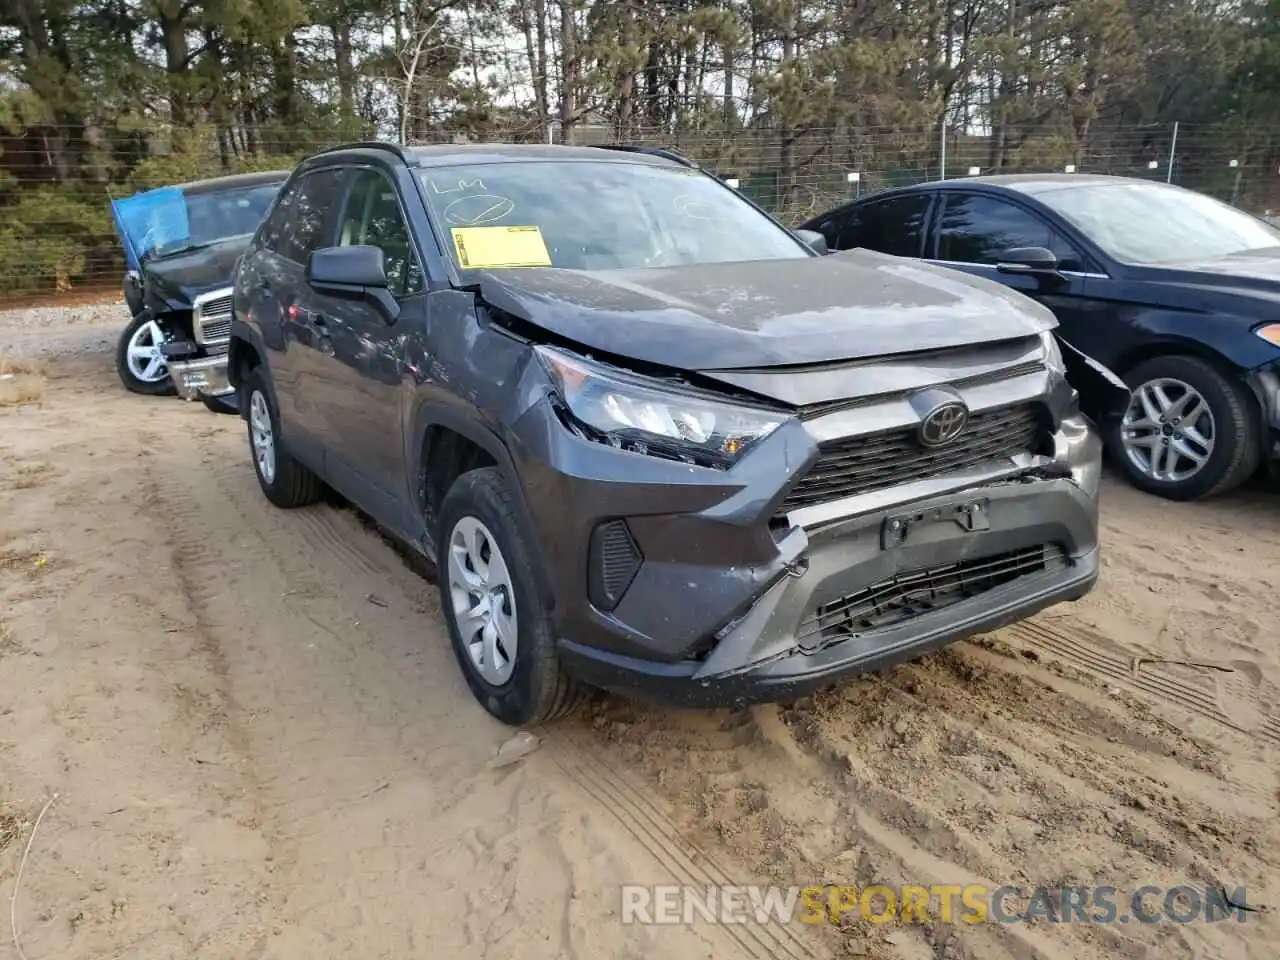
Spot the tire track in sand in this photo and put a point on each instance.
(1221, 698)
(582, 759)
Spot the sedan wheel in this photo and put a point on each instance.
(1192, 429)
(1168, 431)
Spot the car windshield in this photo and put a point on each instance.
(1150, 223)
(596, 215)
(221, 215)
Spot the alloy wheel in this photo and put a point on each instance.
(1168, 432)
(146, 362)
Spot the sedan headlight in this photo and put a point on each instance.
(1270, 333)
(638, 414)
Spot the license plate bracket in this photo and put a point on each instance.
(970, 515)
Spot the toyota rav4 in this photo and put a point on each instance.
(654, 441)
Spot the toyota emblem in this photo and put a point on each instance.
(943, 424)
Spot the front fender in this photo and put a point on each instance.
(440, 414)
(1229, 337)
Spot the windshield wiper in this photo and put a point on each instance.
(185, 248)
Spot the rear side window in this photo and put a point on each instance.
(303, 219)
(273, 228)
(894, 225)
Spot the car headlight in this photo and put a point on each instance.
(637, 414)
(1052, 352)
(1270, 333)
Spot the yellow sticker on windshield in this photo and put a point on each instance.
(480, 247)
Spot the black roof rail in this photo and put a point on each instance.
(395, 148)
(664, 152)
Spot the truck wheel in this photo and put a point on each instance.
(139, 363)
(498, 624)
(284, 481)
(1189, 433)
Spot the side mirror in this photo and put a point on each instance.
(1030, 260)
(353, 273)
(814, 241)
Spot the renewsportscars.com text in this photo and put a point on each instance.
(938, 903)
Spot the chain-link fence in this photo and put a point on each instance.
(56, 231)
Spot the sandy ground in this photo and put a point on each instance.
(261, 747)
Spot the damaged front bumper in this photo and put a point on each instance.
(197, 376)
(1265, 383)
(877, 590)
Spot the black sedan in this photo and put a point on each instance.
(1176, 292)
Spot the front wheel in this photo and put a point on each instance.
(1190, 432)
(141, 366)
(498, 623)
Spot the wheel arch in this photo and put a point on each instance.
(1176, 347)
(446, 443)
(245, 353)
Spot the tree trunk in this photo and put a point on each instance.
(345, 70)
(568, 71)
(787, 159)
(536, 77)
(285, 68)
(173, 31)
(540, 61)
(730, 112)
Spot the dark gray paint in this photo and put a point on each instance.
(357, 396)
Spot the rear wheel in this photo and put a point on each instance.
(1190, 432)
(498, 624)
(141, 366)
(284, 481)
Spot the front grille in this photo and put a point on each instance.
(213, 320)
(853, 465)
(922, 591)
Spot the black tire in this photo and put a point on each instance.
(291, 485)
(224, 404)
(538, 689)
(149, 388)
(1236, 442)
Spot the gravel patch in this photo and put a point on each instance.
(61, 331)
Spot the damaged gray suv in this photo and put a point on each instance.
(653, 441)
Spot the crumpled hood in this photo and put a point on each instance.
(768, 312)
(180, 278)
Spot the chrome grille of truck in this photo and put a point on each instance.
(852, 465)
(916, 592)
(211, 318)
